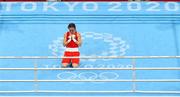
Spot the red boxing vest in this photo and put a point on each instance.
(71, 44)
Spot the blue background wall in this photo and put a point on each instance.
(104, 31)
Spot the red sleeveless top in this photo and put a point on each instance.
(71, 44)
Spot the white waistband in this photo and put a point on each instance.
(72, 49)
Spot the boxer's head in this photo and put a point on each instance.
(72, 27)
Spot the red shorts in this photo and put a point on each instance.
(71, 54)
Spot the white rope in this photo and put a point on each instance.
(50, 91)
(153, 68)
(138, 80)
(92, 16)
(160, 92)
(87, 57)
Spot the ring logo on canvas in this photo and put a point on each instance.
(112, 46)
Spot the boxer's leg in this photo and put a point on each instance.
(66, 61)
(75, 61)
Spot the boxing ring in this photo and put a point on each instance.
(137, 51)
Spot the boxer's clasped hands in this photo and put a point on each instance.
(72, 37)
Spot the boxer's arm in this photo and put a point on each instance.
(65, 42)
(79, 41)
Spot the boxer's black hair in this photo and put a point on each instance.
(72, 25)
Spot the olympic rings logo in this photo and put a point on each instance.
(87, 76)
